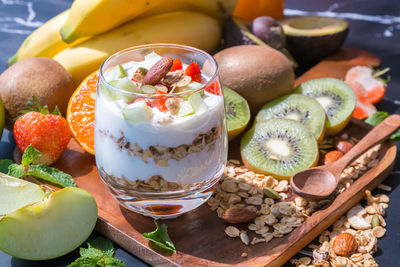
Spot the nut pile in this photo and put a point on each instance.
(353, 238)
(161, 154)
(274, 211)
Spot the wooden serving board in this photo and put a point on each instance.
(199, 235)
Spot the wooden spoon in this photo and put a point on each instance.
(319, 182)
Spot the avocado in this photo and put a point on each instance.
(236, 32)
(311, 38)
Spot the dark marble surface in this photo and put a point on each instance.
(375, 26)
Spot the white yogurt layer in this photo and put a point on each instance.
(195, 167)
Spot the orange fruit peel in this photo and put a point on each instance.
(80, 112)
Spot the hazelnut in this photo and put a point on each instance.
(344, 244)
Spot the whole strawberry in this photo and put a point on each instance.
(48, 133)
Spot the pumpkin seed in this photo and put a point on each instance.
(271, 193)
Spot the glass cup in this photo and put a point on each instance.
(165, 164)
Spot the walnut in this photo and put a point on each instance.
(172, 105)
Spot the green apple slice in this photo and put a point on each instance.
(148, 89)
(185, 109)
(198, 103)
(137, 112)
(15, 193)
(125, 84)
(51, 227)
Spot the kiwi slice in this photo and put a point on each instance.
(237, 112)
(296, 107)
(335, 96)
(279, 147)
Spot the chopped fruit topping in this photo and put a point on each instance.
(374, 86)
(364, 108)
(193, 70)
(177, 65)
(160, 102)
(137, 112)
(213, 88)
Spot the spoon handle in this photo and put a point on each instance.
(378, 134)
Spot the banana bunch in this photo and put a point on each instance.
(82, 37)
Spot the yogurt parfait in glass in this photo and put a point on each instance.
(160, 134)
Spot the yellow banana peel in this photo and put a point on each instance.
(187, 28)
(97, 16)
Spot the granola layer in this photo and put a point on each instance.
(161, 154)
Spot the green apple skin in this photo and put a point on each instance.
(15, 193)
(49, 228)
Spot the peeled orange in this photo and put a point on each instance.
(80, 112)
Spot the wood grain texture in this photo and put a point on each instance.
(199, 235)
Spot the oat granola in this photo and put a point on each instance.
(161, 154)
(278, 217)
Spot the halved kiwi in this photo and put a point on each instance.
(335, 96)
(279, 147)
(237, 112)
(296, 107)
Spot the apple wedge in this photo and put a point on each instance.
(15, 193)
(51, 227)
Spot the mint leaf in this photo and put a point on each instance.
(4, 164)
(160, 237)
(91, 252)
(110, 262)
(84, 262)
(16, 170)
(102, 244)
(377, 118)
(100, 252)
(51, 175)
(30, 154)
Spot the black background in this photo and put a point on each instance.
(380, 36)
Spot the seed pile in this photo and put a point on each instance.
(278, 211)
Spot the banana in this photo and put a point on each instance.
(188, 28)
(97, 16)
(45, 41)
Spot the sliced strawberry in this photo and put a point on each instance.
(160, 102)
(193, 70)
(375, 88)
(213, 88)
(364, 108)
(176, 65)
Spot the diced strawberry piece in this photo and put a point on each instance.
(193, 70)
(213, 88)
(364, 108)
(176, 65)
(160, 102)
(375, 88)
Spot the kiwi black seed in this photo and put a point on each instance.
(237, 112)
(335, 96)
(279, 147)
(297, 107)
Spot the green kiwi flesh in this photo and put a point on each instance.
(237, 112)
(335, 96)
(297, 107)
(279, 147)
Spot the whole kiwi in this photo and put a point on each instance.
(258, 73)
(41, 77)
